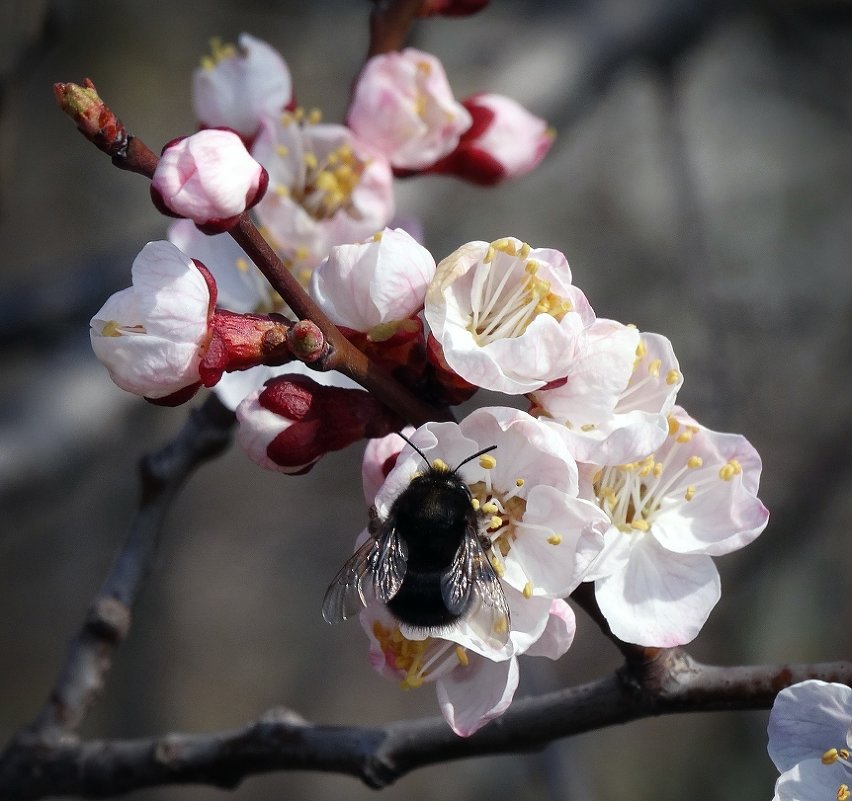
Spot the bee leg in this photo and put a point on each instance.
(375, 523)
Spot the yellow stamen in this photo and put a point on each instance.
(694, 461)
(672, 377)
(554, 539)
(441, 465)
(690, 493)
(461, 655)
(528, 590)
(487, 461)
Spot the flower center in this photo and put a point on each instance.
(502, 518)
(330, 179)
(219, 51)
(418, 661)
(634, 494)
(508, 295)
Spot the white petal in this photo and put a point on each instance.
(558, 634)
(806, 720)
(472, 696)
(660, 598)
(812, 781)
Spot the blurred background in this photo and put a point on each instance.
(701, 187)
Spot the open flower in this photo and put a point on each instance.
(236, 88)
(506, 315)
(152, 335)
(404, 107)
(208, 177)
(613, 404)
(810, 740)
(670, 512)
(504, 141)
(327, 188)
(372, 286)
(543, 538)
(473, 687)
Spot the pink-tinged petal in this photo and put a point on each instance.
(503, 141)
(556, 544)
(150, 337)
(475, 694)
(723, 513)
(380, 456)
(236, 89)
(240, 286)
(811, 780)
(806, 720)
(365, 285)
(404, 107)
(660, 599)
(258, 428)
(209, 178)
(559, 633)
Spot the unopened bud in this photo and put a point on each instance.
(306, 341)
(93, 117)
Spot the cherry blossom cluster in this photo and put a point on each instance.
(601, 477)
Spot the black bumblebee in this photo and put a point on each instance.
(426, 561)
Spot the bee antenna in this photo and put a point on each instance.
(422, 455)
(473, 456)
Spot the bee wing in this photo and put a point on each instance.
(375, 570)
(471, 587)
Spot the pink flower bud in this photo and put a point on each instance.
(369, 286)
(292, 421)
(208, 177)
(151, 336)
(504, 141)
(404, 107)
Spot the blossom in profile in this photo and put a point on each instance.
(810, 740)
(504, 141)
(236, 87)
(209, 178)
(372, 286)
(292, 421)
(403, 106)
(151, 336)
(506, 315)
(327, 187)
(692, 499)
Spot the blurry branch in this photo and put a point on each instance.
(390, 23)
(205, 434)
(670, 683)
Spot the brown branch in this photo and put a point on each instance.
(379, 755)
(205, 434)
(390, 24)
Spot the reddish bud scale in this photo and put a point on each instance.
(241, 341)
(468, 161)
(95, 120)
(451, 8)
(402, 353)
(176, 398)
(323, 418)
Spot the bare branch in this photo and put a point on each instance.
(205, 434)
(390, 23)
(671, 683)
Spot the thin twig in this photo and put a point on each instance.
(390, 24)
(205, 434)
(380, 755)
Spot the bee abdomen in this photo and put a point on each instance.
(419, 602)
